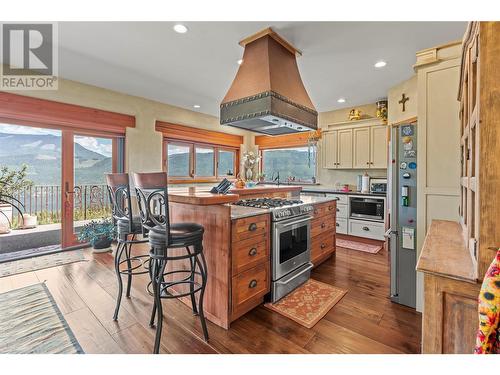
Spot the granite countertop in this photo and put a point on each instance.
(238, 212)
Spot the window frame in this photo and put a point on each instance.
(262, 162)
(192, 177)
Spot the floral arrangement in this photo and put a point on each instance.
(250, 163)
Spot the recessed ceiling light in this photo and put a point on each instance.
(341, 100)
(196, 106)
(380, 64)
(240, 61)
(181, 29)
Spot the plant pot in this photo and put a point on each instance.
(102, 245)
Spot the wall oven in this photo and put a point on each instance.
(367, 208)
(291, 255)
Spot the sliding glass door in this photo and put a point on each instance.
(87, 158)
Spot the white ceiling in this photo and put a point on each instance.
(150, 60)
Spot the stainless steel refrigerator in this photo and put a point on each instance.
(403, 213)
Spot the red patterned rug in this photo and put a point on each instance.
(308, 303)
(360, 246)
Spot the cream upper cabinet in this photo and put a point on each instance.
(355, 147)
(330, 141)
(361, 149)
(378, 146)
(344, 146)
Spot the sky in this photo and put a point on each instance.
(102, 146)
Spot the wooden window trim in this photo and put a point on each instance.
(266, 142)
(192, 162)
(24, 110)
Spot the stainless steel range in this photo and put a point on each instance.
(291, 242)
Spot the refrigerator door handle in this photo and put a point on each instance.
(393, 245)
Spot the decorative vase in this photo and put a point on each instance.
(382, 109)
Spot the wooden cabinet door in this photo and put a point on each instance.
(361, 149)
(344, 158)
(378, 147)
(330, 141)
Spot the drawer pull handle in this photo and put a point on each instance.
(252, 227)
(338, 209)
(366, 229)
(252, 252)
(323, 245)
(323, 225)
(252, 284)
(337, 224)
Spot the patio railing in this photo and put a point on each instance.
(44, 201)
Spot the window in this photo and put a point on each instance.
(178, 158)
(226, 163)
(295, 164)
(204, 161)
(195, 162)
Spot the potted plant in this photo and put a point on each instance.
(100, 234)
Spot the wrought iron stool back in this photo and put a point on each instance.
(128, 227)
(164, 237)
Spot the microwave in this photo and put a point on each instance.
(366, 208)
(378, 185)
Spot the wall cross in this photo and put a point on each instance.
(403, 101)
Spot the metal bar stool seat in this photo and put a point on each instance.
(171, 270)
(128, 227)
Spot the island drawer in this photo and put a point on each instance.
(249, 288)
(322, 209)
(249, 253)
(250, 227)
(322, 224)
(322, 245)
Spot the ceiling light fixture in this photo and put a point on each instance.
(240, 61)
(341, 100)
(380, 64)
(181, 29)
(196, 106)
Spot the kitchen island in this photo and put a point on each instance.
(237, 244)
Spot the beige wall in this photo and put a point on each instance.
(395, 112)
(143, 143)
(329, 177)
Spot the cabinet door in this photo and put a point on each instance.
(378, 147)
(361, 153)
(330, 140)
(344, 159)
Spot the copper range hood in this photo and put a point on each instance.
(267, 95)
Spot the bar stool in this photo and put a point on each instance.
(128, 227)
(164, 237)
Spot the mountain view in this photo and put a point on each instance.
(42, 154)
(290, 162)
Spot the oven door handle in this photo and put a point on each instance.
(290, 223)
(285, 280)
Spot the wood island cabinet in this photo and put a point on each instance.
(323, 231)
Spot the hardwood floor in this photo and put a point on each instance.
(364, 321)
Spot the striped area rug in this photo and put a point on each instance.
(31, 322)
(40, 262)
